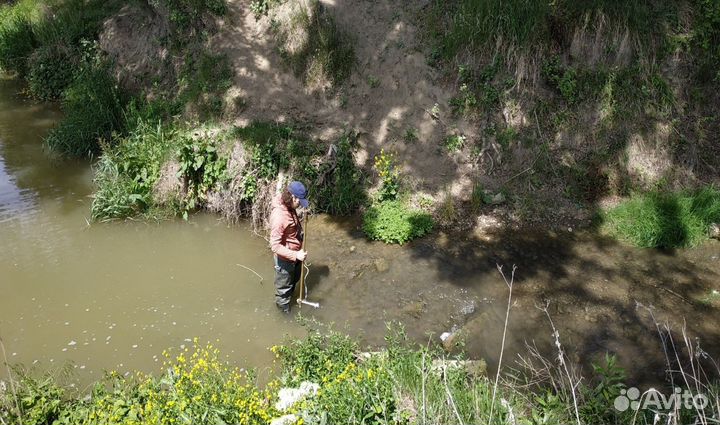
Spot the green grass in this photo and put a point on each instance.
(665, 220)
(481, 26)
(29, 24)
(17, 38)
(187, 19)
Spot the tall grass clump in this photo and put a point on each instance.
(665, 220)
(93, 106)
(343, 190)
(189, 18)
(17, 38)
(128, 169)
(472, 25)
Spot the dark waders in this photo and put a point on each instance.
(287, 274)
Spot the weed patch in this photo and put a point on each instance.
(394, 222)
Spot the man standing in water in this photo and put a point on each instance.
(286, 241)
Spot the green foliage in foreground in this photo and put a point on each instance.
(195, 387)
(665, 220)
(400, 384)
(394, 222)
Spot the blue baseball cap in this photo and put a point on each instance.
(299, 191)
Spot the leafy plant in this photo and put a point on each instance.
(454, 142)
(187, 17)
(411, 135)
(127, 171)
(465, 102)
(392, 222)
(387, 170)
(343, 190)
(201, 168)
(373, 81)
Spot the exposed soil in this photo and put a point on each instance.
(389, 49)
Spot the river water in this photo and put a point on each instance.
(113, 296)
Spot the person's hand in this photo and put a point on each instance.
(300, 255)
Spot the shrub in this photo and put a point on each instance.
(344, 191)
(706, 38)
(50, 71)
(93, 109)
(201, 168)
(454, 142)
(336, 184)
(665, 220)
(128, 170)
(393, 222)
(187, 17)
(203, 81)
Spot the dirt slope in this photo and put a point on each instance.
(389, 48)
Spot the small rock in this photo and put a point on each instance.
(287, 397)
(450, 341)
(497, 199)
(381, 265)
(714, 231)
(352, 248)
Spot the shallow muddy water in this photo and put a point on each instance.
(113, 296)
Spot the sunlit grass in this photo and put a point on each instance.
(665, 220)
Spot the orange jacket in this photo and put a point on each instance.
(285, 231)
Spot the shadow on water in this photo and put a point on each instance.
(599, 292)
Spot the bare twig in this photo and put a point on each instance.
(450, 397)
(563, 364)
(502, 346)
(248, 268)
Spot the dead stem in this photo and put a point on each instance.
(502, 346)
(563, 363)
